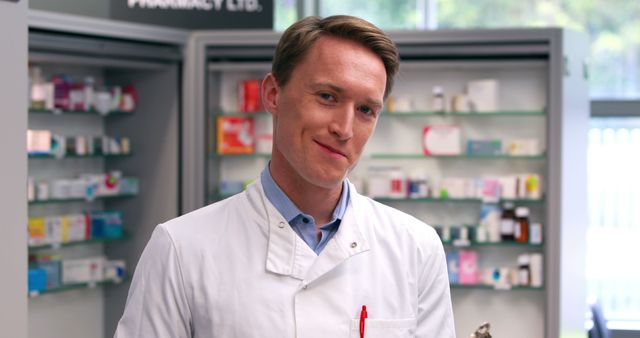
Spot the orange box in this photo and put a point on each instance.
(235, 135)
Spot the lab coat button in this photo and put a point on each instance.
(281, 225)
(304, 287)
(354, 244)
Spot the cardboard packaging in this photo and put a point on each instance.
(441, 140)
(249, 100)
(468, 267)
(235, 135)
(83, 270)
(483, 95)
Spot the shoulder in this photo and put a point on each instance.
(393, 223)
(206, 221)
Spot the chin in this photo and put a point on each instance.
(327, 181)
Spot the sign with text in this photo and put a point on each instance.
(196, 14)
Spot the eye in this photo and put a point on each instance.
(327, 97)
(367, 110)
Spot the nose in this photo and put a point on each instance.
(341, 124)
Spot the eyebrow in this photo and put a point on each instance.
(341, 90)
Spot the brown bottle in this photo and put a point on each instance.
(522, 225)
(507, 222)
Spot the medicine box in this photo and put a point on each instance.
(37, 279)
(468, 267)
(37, 231)
(249, 99)
(453, 267)
(235, 135)
(483, 95)
(441, 140)
(106, 224)
(38, 141)
(77, 228)
(484, 147)
(83, 270)
(52, 268)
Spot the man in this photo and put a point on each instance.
(300, 253)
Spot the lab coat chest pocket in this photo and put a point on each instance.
(384, 328)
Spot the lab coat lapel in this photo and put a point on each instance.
(287, 253)
(349, 240)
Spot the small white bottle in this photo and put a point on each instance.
(535, 233)
(38, 90)
(438, 101)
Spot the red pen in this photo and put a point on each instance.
(363, 317)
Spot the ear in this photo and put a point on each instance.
(270, 91)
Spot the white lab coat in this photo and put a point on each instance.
(236, 269)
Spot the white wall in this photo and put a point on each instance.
(13, 177)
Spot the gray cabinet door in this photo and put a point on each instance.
(13, 207)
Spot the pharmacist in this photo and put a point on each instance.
(300, 253)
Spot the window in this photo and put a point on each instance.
(614, 216)
(284, 14)
(611, 24)
(396, 14)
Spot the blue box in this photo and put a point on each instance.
(484, 147)
(453, 267)
(52, 269)
(37, 279)
(106, 224)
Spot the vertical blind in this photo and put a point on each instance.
(613, 233)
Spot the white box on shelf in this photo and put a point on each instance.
(60, 189)
(508, 187)
(441, 140)
(400, 104)
(42, 190)
(77, 227)
(387, 182)
(77, 188)
(522, 147)
(537, 272)
(83, 270)
(54, 229)
(38, 141)
(483, 95)
(452, 187)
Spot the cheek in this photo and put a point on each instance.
(362, 135)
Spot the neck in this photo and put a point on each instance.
(319, 202)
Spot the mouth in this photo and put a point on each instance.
(331, 150)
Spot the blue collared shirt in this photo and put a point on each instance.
(303, 224)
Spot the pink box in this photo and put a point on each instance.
(468, 273)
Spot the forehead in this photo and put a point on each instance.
(336, 58)
(328, 46)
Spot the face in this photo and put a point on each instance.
(325, 114)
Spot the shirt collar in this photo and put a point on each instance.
(285, 206)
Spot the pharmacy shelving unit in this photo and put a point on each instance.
(112, 53)
(543, 95)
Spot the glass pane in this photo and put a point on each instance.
(614, 216)
(612, 25)
(386, 14)
(284, 14)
